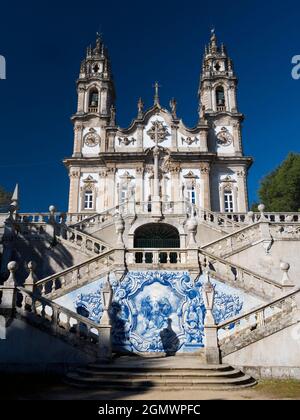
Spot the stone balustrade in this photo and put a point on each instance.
(251, 217)
(95, 219)
(83, 241)
(156, 257)
(216, 219)
(234, 242)
(76, 276)
(39, 218)
(60, 322)
(242, 330)
(240, 277)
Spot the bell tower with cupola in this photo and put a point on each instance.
(218, 107)
(96, 96)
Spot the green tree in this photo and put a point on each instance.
(280, 190)
(5, 198)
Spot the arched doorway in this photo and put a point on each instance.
(156, 236)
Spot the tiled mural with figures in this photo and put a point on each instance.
(157, 311)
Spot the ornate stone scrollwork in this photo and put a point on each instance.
(89, 183)
(224, 137)
(91, 139)
(126, 141)
(189, 141)
(158, 132)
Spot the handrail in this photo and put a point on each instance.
(74, 267)
(261, 308)
(98, 215)
(239, 267)
(60, 308)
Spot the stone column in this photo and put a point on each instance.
(156, 210)
(78, 130)
(110, 188)
(232, 98)
(103, 101)
(8, 301)
(212, 351)
(32, 278)
(203, 140)
(237, 142)
(205, 186)
(174, 132)
(242, 198)
(139, 195)
(81, 99)
(139, 140)
(175, 187)
(104, 344)
(74, 174)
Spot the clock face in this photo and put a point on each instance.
(224, 137)
(91, 139)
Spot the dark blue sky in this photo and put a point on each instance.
(44, 42)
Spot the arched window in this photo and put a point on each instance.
(88, 200)
(93, 100)
(220, 98)
(228, 201)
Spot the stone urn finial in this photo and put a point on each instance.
(285, 267)
(12, 267)
(261, 209)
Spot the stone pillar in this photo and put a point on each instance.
(232, 98)
(81, 99)
(103, 102)
(31, 279)
(156, 205)
(175, 187)
(174, 133)
(242, 199)
(110, 188)
(212, 351)
(102, 189)
(104, 344)
(139, 140)
(139, 194)
(203, 140)
(265, 233)
(237, 138)
(74, 174)
(78, 134)
(8, 301)
(205, 186)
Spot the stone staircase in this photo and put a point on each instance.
(164, 373)
(259, 323)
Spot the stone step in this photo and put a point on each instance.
(158, 372)
(75, 379)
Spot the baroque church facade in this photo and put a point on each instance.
(158, 158)
(157, 253)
